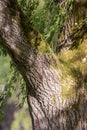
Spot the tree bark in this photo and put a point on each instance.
(49, 111)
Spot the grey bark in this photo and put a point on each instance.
(48, 110)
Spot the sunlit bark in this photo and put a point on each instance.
(49, 111)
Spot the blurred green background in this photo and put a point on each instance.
(4, 69)
(18, 119)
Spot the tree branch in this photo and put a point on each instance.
(15, 28)
(10, 32)
(78, 33)
(13, 35)
(76, 36)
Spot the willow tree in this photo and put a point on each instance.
(56, 78)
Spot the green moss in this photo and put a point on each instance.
(73, 66)
(44, 47)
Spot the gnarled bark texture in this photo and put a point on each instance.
(42, 76)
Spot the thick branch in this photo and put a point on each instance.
(15, 28)
(75, 37)
(78, 33)
(75, 26)
(10, 28)
(12, 34)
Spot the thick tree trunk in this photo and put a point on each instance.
(49, 110)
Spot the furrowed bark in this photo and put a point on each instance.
(49, 111)
(74, 27)
(12, 35)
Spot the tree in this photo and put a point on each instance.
(56, 87)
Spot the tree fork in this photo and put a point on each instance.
(49, 111)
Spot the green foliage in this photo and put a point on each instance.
(16, 84)
(11, 83)
(2, 117)
(2, 50)
(55, 18)
(28, 6)
(48, 18)
(4, 65)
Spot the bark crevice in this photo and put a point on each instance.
(44, 90)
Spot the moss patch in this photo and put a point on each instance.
(73, 65)
(44, 47)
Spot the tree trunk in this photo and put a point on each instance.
(42, 74)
